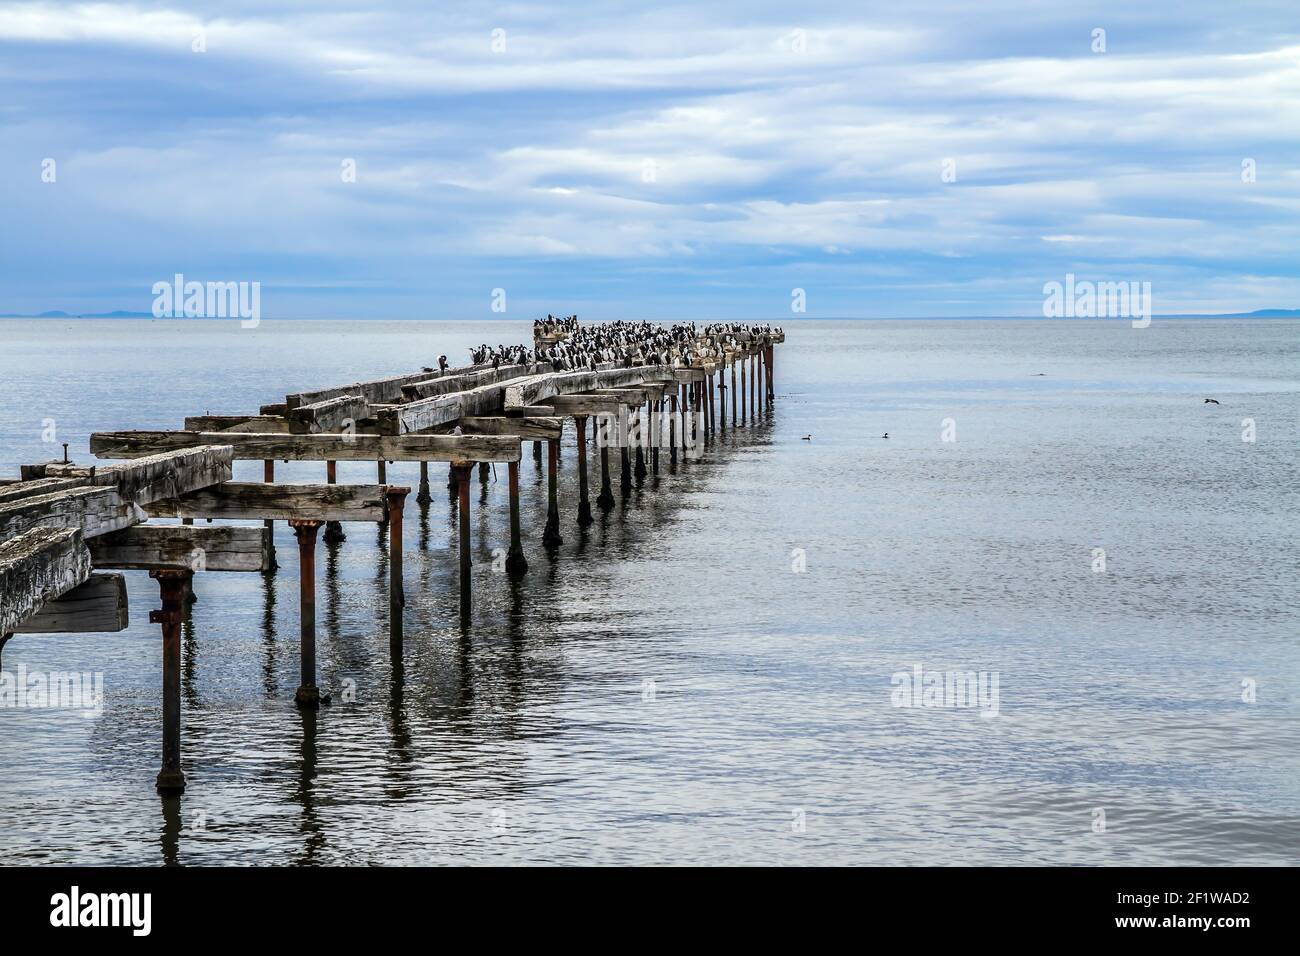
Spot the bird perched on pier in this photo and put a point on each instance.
(1211, 401)
(442, 363)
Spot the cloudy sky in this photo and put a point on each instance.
(623, 160)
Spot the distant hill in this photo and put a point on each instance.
(59, 314)
(1257, 314)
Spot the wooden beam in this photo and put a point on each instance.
(243, 423)
(586, 404)
(33, 472)
(537, 388)
(95, 511)
(37, 566)
(253, 500)
(40, 486)
(627, 395)
(199, 548)
(525, 429)
(429, 413)
(331, 414)
(375, 392)
(253, 446)
(168, 474)
(98, 605)
(446, 384)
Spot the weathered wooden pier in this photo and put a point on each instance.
(68, 531)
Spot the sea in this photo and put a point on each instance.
(757, 657)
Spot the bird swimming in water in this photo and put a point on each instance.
(1211, 401)
(807, 437)
(885, 435)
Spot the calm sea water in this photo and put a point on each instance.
(667, 689)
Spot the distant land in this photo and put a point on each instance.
(1257, 314)
(56, 314)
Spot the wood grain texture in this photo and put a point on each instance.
(95, 511)
(97, 605)
(253, 446)
(199, 548)
(253, 500)
(37, 566)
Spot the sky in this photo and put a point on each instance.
(655, 161)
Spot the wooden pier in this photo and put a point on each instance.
(67, 532)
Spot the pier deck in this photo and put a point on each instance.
(67, 531)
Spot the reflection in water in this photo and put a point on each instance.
(332, 585)
(189, 660)
(397, 770)
(305, 793)
(270, 683)
(424, 527)
(170, 834)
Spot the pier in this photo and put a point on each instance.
(68, 532)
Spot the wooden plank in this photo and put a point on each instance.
(37, 566)
(627, 395)
(253, 500)
(251, 446)
(332, 414)
(374, 392)
(446, 384)
(525, 429)
(199, 548)
(41, 486)
(586, 404)
(689, 374)
(242, 423)
(431, 412)
(33, 472)
(98, 605)
(95, 511)
(538, 388)
(168, 474)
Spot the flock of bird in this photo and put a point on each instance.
(613, 344)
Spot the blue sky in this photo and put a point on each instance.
(622, 160)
